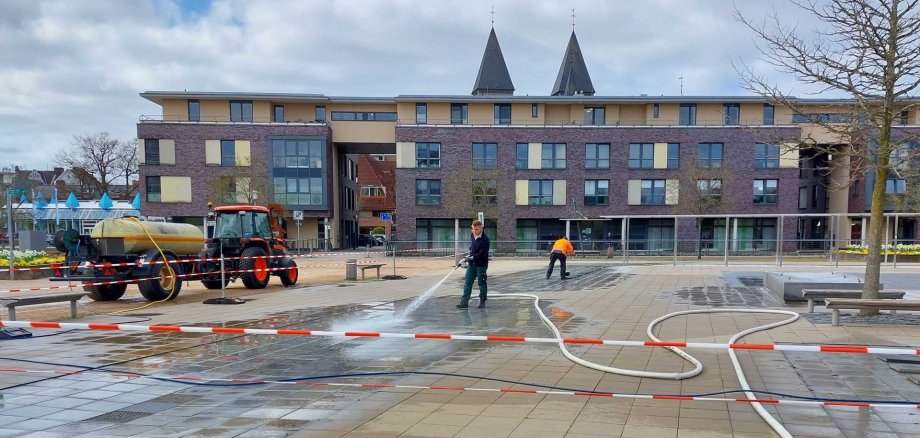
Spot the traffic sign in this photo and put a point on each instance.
(298, 215)
(385, 217)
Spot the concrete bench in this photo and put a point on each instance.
(371, 266)
(12, 303)
(835, 304)
(820, 295)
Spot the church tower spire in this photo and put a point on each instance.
(573, 77)
(493, 77)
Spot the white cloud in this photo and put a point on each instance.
(77, 67)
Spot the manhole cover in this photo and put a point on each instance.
(120, 417)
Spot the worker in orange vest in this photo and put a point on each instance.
(561, 249)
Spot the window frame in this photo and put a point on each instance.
(488, 188)
(150, 194)
(895, 186)
(242, 106)
(657, 192)
(464, 110)
(705, 188)
(150, 158)
(540, 197)
(595, 198)
(656, 110)
(275, 113)
(319, 113)
(427, 194)
(708, 161)
(641, 161)
(194, 116)
(498, 116)
(591, 115)
(731, 114)
(673, 160)
(771, 109)
(519, 161)
(690, 118)
(596, 162)
(554, 161)
(428, 162)
(485, 160)
(764, 158)
(765, 196)
(421, 113)
(231, 144)
(534, 111)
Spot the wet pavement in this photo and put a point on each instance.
(102, 405)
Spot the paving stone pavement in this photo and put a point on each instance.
(601, 300)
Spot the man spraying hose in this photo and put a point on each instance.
(477, 264)
(561, 249)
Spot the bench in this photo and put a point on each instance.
(370, 266)
(835, 304)
(12, 303)
(821, 294)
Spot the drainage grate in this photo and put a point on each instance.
(119, 417)
(175, 398)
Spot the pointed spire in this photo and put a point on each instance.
(573, 77)
(493, 77)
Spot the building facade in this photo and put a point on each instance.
(603, 169)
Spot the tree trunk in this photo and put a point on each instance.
(699, 239)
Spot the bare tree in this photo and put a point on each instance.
(127, 163)
(242, 184)
(700, 193)
(100, 156)
(869, 50)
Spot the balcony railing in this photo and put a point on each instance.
(157, 118)
(630, 122)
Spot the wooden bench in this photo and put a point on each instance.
(370, 266)
(835, 304)
(821, 294)
(12, 303)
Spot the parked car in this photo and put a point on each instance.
(367, 240)
(379, 238)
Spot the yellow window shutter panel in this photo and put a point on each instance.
(520, 192)
(788, 156)
(167, 151)
(534, 155)
(634, 195)
(141, 152)
(671, 188)
(242, 155)
(661, 156)
(405, 155)
(559, 192)
(212, 152)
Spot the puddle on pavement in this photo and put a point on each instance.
(293, 357)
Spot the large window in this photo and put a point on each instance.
(594, 115)
(502, 113)
(766, 191)
(153, 189)
(766, 156)
(373, 191)
(710, 155)
(194, 110)
(540, 192)
(278, 113)
(710, 190)
(428, 155)
(687, 114)
(597, 155)
(485, 155)
(298, 172)
(731, 113)
(553, 156)
(597, 192)
(653, 192)
(427, 192)
(521, 152)
(641, 156)
(241, 111)
(895, 186)
(364, 116)
(421, 114)
(768, 114)
(152, 152)
(228, 153)
(485, 192)
(459, 114)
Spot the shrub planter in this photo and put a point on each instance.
(853, 257)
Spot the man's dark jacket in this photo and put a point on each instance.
(479, 250)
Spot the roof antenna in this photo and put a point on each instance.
(493, 16)
(681, 77)
(573, 19)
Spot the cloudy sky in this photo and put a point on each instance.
(76, 67)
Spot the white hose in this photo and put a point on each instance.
(697, 366)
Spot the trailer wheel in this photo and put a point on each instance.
(211, 266)
(108, 292)
(254, 265)
(165, 286)
(288, 274)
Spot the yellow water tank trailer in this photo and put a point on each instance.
(178, 238)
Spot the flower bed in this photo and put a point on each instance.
(29, 259)
(890, 249)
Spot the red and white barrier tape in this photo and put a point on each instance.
(197, 379)
(447, 336)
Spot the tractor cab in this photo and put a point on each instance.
(241, 225)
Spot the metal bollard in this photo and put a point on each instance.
(351, 269)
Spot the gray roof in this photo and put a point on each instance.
(573, 77)
(493, 77)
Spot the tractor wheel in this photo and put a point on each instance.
(288, 274)
(107, 292)
(212, 281)
(166, 286)
(254, 267)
